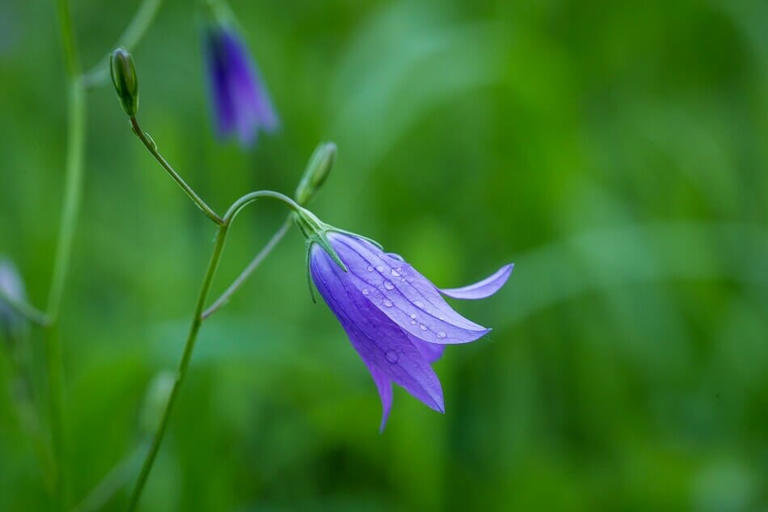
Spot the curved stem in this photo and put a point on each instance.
(152, 147)
(246, 273)
(25, 309)
(183, 365)
(70, 208)
(247, 199)
(197, 320)
(145, 14)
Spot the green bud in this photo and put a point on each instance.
(318, 168)
(124, 78)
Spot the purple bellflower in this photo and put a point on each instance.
(240, 100)
(396, 319)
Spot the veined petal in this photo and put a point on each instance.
(402, 294)
(379, 341)
(431, 351)
(481, 289)
(384, 385)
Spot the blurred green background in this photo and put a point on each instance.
(615, 151)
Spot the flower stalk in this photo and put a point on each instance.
(151, 146)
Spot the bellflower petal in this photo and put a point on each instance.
(379, 342)
(241, 103)
(481, 289)
(403, 294)
(395, 318)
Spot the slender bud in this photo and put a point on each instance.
(155, 401)
(124, 79)
(12, 324)
(318, 168)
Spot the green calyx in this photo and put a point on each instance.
(316, 232)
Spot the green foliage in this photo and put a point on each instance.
(615, 151)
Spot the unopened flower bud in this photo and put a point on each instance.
(317, 171)
(155, 401)
(124, 79)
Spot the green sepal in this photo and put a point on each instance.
(309, 275)
(367, 239)
(321, 240)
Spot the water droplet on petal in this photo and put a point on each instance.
(422, 327)
(413, 322)
(395, 273)
(413, 316)
(380, 268)
(365, 291)
(388, 285)
(387, 303)
(441, 334)
(370, 268)
(392, 356)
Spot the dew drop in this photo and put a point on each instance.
(392, 356)
(380, 268)
(370, 268)
(395, 273)
(388, 285)
(413, 322)
(365, 291)
(387, 303)
(422, 327)
(413, 316)
(441, 334)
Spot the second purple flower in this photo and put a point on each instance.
(241, 104)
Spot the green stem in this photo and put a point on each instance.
(145, 14)
(152, 147)
(250, 269)
(70, 209)
(25, 309)
(181, 373)
(197, 320)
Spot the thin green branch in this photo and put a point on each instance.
(246, 273)
(70, 208)
(25, 309)
(181, 372)
(152, 147)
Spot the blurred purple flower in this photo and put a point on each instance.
(240, 100)
(11, 286)
(395, 318)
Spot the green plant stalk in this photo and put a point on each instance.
(152, 148)
(181, 372)
(70, 209)
(194, 329)
(250, 269)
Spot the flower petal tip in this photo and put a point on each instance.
(483, 288)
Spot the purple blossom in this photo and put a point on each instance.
(12, 286)
(395, 318)
(240, 100)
